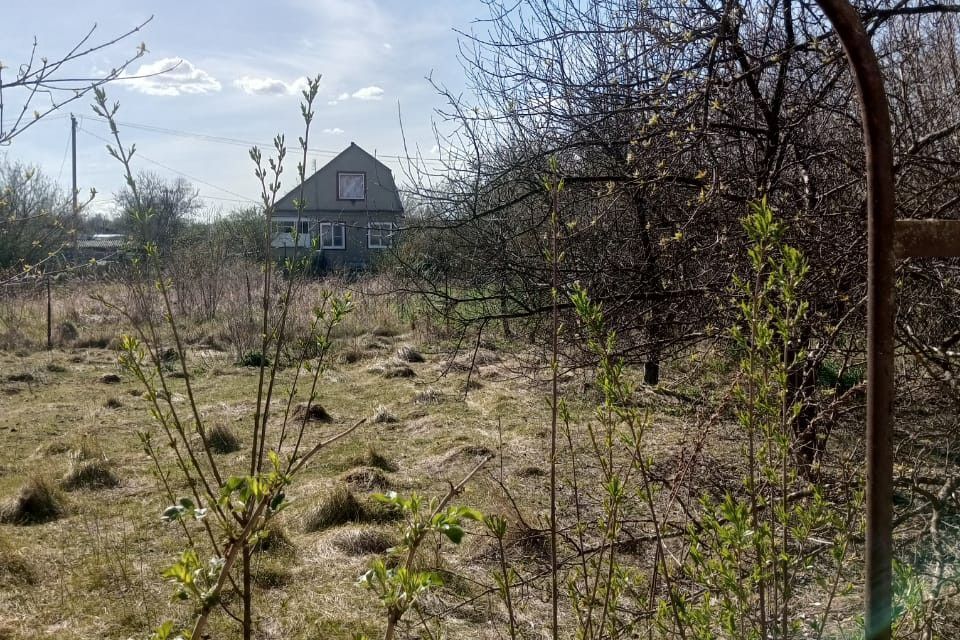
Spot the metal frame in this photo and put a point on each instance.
(887, 240)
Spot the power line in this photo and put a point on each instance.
(180, 173)
(246, 143)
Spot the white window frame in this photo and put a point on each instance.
(380, 226)
(352, 174)
(333, 235)
(287, 226)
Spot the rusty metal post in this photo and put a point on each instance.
(880, 312)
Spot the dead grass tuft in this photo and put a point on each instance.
(222, 439)
(339, 506)
(531, 472)
(428, 396)
(89, 474)
(36, 502)
(55, 367)
(274, 540)
(385, 331)
(383, 416)
(362, 541)
(67, 332)
(14, 568)
(470, 453)
(112, 403)
(110, 378)
(406, 353)
(269, 576)
(351, 355)
(23, 376)
(392, 369)
(314, 412)
(366, 479)
(373, 458)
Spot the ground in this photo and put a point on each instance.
(95, 571)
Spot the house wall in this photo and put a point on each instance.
(355, 254)
(320, 191)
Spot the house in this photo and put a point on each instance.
(350, 214)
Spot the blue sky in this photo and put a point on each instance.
(241, 66)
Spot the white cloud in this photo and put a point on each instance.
(368, 93)
(387, 45)
(171, 77)
(332, 103)
(343, 96)
(334, 131)
(269, 86)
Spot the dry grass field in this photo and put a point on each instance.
(69, 425)
(83, 546)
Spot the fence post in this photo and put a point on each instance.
(49, 315)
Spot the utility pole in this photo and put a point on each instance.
(73, 143)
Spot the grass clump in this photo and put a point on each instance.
(384, 331)
(373, 458)
(222, 439)
(23, 376)
(253, 359)
(268, 576)
(110, 378)
(428, 396)
(274, 540)
(14, 568)
(36, 502)
(362, 541)
(89, 474)
(55, 367)
(339, 506)
(112, 403)
(406, 353)
(392, 369)
(383, 416)
(366, 479)
(313, 412)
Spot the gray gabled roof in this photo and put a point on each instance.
(320, 189)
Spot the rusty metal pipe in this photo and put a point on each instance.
(880, 311)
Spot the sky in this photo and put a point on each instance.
(239, 69)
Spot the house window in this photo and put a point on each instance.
(380, 235)
(287, 226)
(332, 235)
(351, 186)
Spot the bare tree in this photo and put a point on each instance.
(158, 215)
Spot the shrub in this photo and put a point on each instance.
(842, 378)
